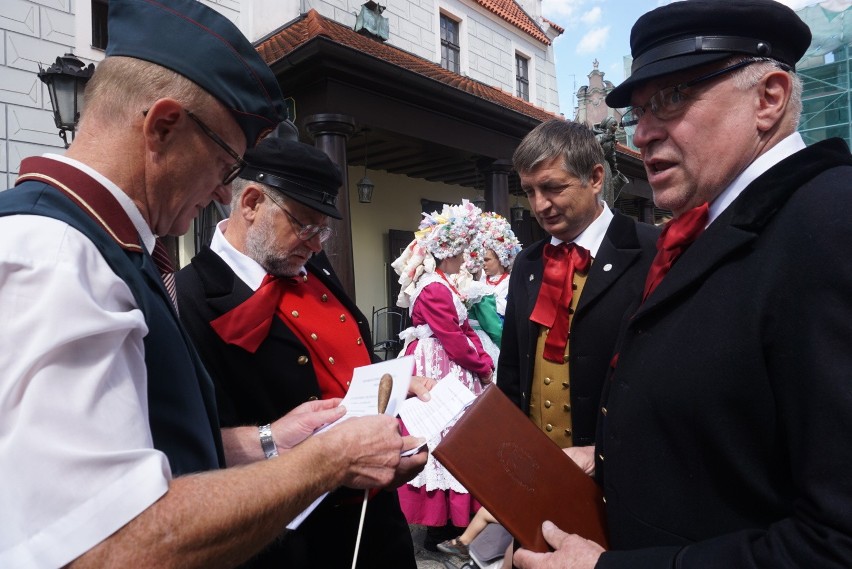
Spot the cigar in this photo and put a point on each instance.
(385, 388)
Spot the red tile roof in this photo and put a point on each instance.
(313, 25)
(554, 25)
(510, 11)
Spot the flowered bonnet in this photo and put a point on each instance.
(439, 235)
(499, 237)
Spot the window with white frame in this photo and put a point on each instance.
(522, 76)
(450, 50)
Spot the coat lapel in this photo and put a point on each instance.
(618, 251)
(746, 218)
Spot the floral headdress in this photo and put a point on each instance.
(440, 235)
(499, 237)
(474, 254)
(449, 232)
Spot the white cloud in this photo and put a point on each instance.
(592, 17)
(559, 9)
(594, 40)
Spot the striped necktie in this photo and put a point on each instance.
(167, 271)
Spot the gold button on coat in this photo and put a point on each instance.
(331, 361)
(567, 407)
(564, 358)
(547, 404)
(359, 341)
(295, 314)
(547, 380)
(567, 432)
(548, 427)
(324, 298)
(343, 318)
(302, 360)
(314, 336)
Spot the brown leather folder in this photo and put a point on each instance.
(521, 476)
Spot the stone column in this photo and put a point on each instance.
(329, 133)
(496, 174)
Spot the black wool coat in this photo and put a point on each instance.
(724, 437)
(255, 389)
(615, 281)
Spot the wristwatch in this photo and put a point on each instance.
(267, 443)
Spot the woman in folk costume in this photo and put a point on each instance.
(501, 247)
(479, 298)
(443, 345)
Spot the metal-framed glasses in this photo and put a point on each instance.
(670, 102)
(235, 168)
(305, 232)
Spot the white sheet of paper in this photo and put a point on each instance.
(361, 400)
(428, 418)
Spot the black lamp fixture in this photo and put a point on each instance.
(517, 210)
(66, 81)
(479, 200)
(365, 185)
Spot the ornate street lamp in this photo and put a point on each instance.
(66, 80)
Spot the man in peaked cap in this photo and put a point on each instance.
(104, 404)
(723, 434)
(275, 329)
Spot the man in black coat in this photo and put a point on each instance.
(303, 346)
(723, 436)
(561, 166)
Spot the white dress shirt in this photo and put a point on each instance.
(76, 454)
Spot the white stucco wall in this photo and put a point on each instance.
(39, 31)
(488, 43)
(395, 205)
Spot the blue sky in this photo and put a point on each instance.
(598, 29)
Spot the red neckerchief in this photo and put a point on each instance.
(499, 280)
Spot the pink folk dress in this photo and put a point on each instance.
(443, 343)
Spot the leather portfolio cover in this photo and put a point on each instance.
(521, 476)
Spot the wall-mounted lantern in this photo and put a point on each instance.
(66, 82)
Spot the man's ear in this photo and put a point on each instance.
(250, 201)
(774, 91)
(596, 180)
(162, 120)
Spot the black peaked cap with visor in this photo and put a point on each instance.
(297, 170)
(692, 33)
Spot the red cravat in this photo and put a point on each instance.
(677, 236)
(166, 269)
(554, 297)
(247, 325)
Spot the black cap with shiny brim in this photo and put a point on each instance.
(692, 33)
(299, 171)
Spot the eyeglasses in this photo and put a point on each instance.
(235, 168)
(668, 103)
(306, 232)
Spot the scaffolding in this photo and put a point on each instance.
(825, 72)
